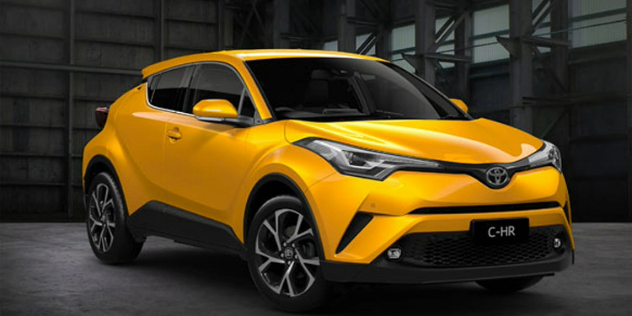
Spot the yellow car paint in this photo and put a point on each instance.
(217, 184)
(215, 108)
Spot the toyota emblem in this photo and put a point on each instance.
(497, 176)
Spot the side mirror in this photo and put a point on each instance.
(460, 104)
(214, 110)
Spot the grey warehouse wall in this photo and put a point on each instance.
(61, 59)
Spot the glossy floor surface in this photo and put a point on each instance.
(49, 269)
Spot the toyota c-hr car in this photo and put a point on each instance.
(320, 169)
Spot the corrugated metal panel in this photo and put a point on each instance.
(599, 34)
(490, 20)
(403, 37)
(584, 7)
(331, 46)
(488, 52)
(585, 35)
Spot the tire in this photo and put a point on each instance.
(106, 218)
(288, 258)
(510, 285)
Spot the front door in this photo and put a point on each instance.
(204, 161)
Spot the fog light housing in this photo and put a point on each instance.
(557, 243)
(394, 253)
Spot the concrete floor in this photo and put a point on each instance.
(49, 269)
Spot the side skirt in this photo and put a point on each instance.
(159, 219)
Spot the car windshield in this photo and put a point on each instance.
(335, 89)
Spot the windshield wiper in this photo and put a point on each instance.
(341, 111)
(389, 113)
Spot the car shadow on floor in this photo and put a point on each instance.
(191, 269)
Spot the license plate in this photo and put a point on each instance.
(500, 231)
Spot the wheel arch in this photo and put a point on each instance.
(268, 187)
(98, 164)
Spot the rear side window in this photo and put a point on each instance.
(167, 89)
(212, 81)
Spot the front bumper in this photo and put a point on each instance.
(384, 271)
(455, 257)
(419, 202)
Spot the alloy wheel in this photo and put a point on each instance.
(101, 221)
(286, 253)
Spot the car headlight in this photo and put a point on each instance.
(548, 155)
(359, 162)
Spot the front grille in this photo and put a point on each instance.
(459, 249)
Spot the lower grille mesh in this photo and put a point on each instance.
(460, 250)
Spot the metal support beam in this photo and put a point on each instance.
(550, 70)
(220, 25)
(462, 48)
(629, 31)
(159, 30)
(374, 7)
(71, 68)
(547, 42)
(246, 24)
(444, 33)
(281, 24)
(521, 65)
(424, 38)
(559, 53)
(541, 17)
(383, 41)
(346, 30)
(381, 25)
(229, 27)
(70, 109)
(448, 58)
(383, 44)
(361, 21)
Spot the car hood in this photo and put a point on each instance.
(472, 142)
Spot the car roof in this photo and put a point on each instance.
(247, 55)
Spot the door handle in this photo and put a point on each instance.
(174, 133)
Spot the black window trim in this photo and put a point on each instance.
(189, 78)
(150, 82)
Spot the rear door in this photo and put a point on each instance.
(142, 127)
(205, 161)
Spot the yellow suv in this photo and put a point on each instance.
(320, 169)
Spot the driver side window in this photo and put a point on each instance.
(213, 81)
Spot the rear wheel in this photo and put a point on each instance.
(284, 254)
(509, 285)
(109, 237)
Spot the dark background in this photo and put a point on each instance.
(567, 78)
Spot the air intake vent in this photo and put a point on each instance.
(486, 208)
(447, 250)
(359, 221)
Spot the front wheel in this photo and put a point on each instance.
(509, 285)
(109, 237)
(284, 253)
